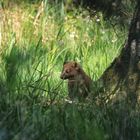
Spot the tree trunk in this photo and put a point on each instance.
(121, 82)
(122, 78)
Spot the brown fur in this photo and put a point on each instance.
(79, 84)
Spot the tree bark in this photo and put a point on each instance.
(121, 80)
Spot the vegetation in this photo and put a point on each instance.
(35, 40)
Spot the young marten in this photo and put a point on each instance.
(79, 84)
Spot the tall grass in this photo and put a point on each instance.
(36, 40)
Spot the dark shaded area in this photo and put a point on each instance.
(120, 11)
(110, 7)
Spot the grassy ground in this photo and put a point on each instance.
(35, 40)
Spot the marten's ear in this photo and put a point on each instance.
(75, 64)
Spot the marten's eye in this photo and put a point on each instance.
(68, 70)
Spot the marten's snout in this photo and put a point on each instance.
(65, 74)
(62, 76)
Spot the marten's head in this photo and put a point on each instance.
(70, 70)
